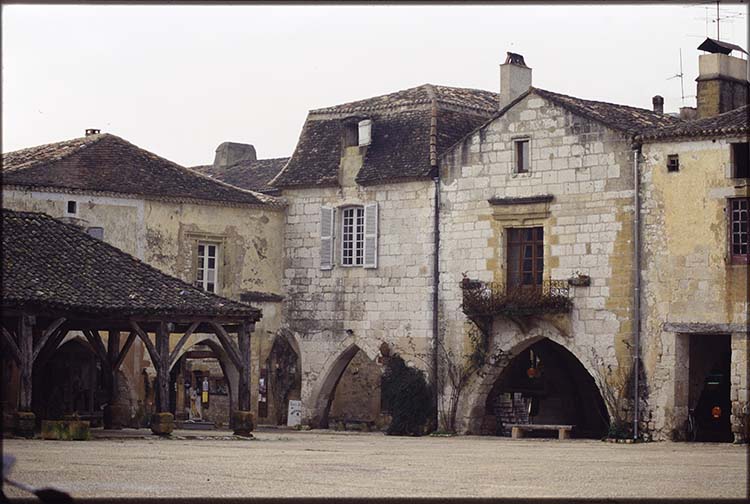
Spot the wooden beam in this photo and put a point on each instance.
(183, 340)
(54, 326)
(49, 349)
(121, 357)
(12, 346)
(147, 341)
(95, 340)
(226, 342)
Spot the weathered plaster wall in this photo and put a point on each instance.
(391, 303)
(688, 277)
(588, 230)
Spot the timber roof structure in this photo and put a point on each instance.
(107, 163)
(734, 122)
(51, 265)
(409, 128)
(254, 175)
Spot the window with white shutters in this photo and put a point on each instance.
(371, 236)
(326, 238)
(208, 266)
(352, 236)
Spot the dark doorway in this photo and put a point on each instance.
(710, 386)
(71, 382)
(546, 384)
(284, 381)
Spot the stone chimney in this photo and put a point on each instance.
(515, 78)
(229, 153)
(722, 79)
(688, 113)
(658, 103)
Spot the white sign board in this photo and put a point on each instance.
(295, 413)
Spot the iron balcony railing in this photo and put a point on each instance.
(489, 299)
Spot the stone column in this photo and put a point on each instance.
(243, 417)
(740, 384)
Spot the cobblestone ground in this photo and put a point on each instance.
(344, 464)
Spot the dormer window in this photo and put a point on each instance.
(365, 132)
(358, 134)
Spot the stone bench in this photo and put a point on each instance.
(517, 430)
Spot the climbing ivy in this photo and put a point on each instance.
(406, 396)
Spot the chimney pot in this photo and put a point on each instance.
(92, 131)
(658, 102)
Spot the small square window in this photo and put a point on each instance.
(741, 160)
(71, 208)
(673, 163)
(521, 154)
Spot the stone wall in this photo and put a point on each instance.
(333, 313)
(689, 283)
(587, 168)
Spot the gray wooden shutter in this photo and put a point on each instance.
(326, 238)
(371, 236)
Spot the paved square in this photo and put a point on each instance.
(345, 464)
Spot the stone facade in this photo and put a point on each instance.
(334, 313)
(587, 169)
(693, 294)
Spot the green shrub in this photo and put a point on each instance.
(407, 397)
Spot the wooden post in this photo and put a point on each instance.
(113, 354)
(26, 347)
(244, 422)
(162, 368)
(243, 342)
(25, 421)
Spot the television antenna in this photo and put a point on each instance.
(681, 75)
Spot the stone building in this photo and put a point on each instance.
(695, 274)
(219, 237)
(359, 239)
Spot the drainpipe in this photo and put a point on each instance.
(637, 283)
(435, 284)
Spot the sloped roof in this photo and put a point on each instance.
(408, 128)
(734, 122)
(51, 264)
(254, 175)
(631, 120)
(107, 163)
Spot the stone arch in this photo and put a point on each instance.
(227, 366)
(323, 394)
(508, 338)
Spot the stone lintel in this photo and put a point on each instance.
(704, 328)
(521, 211)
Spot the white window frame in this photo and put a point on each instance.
(517, 141)
(74, 213)
(203, 268)
(364, 132)
(353, 216)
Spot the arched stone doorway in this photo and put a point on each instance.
(350, 391)
(545, 384)
(203, 361)
(71, 381)
(283, 379)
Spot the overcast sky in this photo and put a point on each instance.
(179, 80)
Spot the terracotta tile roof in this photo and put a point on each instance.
(54, 265)
(107, 163)
(734, 122)
(408, 128)
(253, 175)
(623, 118)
